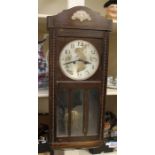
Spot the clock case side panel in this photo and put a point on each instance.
(52, 48)
(104, 81)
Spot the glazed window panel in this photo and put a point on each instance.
(62, 109)
(93, 112)
(77, 113)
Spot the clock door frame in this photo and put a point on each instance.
(97, 42)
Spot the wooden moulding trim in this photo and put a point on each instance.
(77, 145)
(63, 20)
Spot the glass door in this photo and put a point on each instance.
(78, 112)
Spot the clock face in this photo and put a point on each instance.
(79, 60)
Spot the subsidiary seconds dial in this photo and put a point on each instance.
(79, 60)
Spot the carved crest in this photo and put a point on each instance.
(81, 15)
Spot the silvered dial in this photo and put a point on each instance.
(79, 60)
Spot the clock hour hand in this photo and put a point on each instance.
(84, 61)
(70, 62)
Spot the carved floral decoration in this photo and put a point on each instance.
(81, 15)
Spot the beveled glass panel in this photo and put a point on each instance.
(62, 113)
(93, 106)
(77, 113)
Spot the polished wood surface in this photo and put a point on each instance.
(63, 20)
(77, 145)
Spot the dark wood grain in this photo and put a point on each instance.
(69, 112)
(63, 20)
(77, 144)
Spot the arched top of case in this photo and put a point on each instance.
(79, 17)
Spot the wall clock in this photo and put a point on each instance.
(78, 54)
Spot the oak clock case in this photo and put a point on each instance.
(78, 54)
